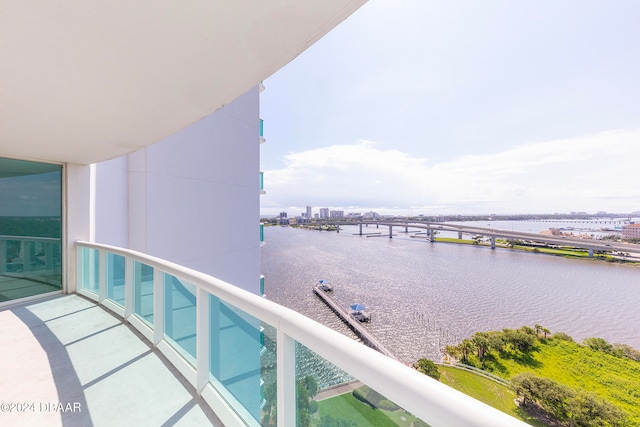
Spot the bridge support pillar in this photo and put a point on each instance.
(338, 228)
(493, 242)
(460, 235)
(390, 231)
(360, 225)
(432, 235)
(590, 253)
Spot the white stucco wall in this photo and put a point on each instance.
(192, 198)
(111, 216)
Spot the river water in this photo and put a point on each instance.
(424, 296)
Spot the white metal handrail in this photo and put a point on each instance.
(424, 397)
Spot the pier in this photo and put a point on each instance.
(366, 336)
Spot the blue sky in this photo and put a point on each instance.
(460, 107)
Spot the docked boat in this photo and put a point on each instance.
(325, 286)
(360, 313)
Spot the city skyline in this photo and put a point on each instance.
(459, 108)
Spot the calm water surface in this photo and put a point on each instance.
(424, 296)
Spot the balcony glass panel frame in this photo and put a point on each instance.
(270, 335)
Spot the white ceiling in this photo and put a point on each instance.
(84, 81)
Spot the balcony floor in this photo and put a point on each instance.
(67, 350)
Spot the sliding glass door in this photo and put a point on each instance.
(30, 228)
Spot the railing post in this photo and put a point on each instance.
(48, 257)
(286, 380)
(102, 275)
(79, 265)
(128, 287)
(3, 256)
(158, 306)
(202, 339)
(26, 257)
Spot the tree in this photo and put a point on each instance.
(538, 327)
(598, 344)
(481, 342)
(586, 409)
(519, 339)
(427, 367)
(579, 408)
(465, 348)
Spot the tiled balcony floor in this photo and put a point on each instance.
(67, 350)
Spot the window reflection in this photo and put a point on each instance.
(30, 228)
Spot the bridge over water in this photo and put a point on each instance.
(432, 228)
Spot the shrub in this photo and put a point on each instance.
(388, 405)
(427, 367)
(563, 336)
(313, 407)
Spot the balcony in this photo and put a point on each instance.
(261, 133)
(29, 266)
(175, 345)
(242, 353)
(262, 183)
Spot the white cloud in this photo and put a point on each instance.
(594, 172)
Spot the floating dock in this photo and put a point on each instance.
(353, 324)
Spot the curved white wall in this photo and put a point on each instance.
(192, 198)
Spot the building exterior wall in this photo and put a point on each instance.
(192, 198)
(631, 231)
(111, 218)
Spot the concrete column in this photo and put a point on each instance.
(432, 235)
(590, 253)
(390, 231)
(460, 235)
(493, 242)
(360, 225)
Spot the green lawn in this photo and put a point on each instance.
(346, 407)
(485, 390)
(612, 378)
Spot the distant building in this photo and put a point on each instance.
(631, 231)
(283, 218)
(324, 212)
(336, 214)
(309, 214)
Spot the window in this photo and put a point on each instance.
(30, 228)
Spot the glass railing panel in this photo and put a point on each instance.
(180, 316)
(261, 127)
(261, 285)
(327, 396)
(143, 292)
(115, 278)
(262, 232)
(238, 360)
(89, 270)
(261, 180)
(268, 389)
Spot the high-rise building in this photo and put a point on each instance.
(130, 181)
(308, 213)
(324, 212)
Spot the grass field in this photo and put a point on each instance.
(485, 390)
(612, 378)
(348, 408)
